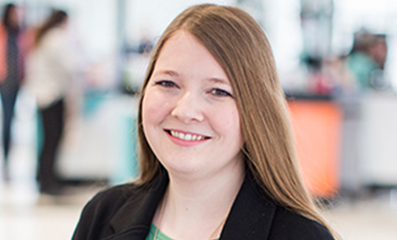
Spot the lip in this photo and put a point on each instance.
(185, 143)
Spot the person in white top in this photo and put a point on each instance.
(49, 76)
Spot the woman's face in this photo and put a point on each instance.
(189, 114)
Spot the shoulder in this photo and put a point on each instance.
(289, 225)
(2, 29)
(285, 224)
(108, 201)
(55, 32)
(54, 38)
(98, 212)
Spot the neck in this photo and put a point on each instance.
(194, 208)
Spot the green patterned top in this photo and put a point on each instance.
(160, 235)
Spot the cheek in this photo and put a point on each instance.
(227, 123)
(150, 119)
(153, 109)
(152, 115)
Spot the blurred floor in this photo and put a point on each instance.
(368, 218)
(24, 215)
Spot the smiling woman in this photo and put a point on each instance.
(188, 96)
(216, 154)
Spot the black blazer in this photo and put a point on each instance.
(126, 212)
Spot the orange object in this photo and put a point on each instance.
(3, 53)
(317, 130)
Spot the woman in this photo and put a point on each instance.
(216, 153)
(49, 76)
(11, 72)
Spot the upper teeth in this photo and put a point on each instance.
(187, 136)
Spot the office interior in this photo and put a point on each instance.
(345, 130)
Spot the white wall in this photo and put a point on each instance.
(151, 17)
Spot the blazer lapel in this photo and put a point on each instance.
(251, 215)
(133, 220)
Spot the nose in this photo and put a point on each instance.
(188, 108)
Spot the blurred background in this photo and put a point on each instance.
(335, 61)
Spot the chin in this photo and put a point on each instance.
(178, 168)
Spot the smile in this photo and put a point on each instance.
(187, 136)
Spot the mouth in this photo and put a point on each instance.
(186, 136)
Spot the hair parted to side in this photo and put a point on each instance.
(241, 47)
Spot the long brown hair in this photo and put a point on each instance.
(240, 46)
(56, 18)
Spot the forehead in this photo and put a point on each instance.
(185, 54)
(182, 43)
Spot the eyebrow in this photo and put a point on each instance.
(167, 72)
(219, 80)
(176, 74)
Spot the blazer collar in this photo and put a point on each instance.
(250, 216)
(252, 213)
(140, 208)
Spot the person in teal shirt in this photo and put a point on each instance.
(367, 59)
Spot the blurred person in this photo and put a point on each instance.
(11, 72)
(145, 46)
(378, 50)
(50, 73)
(334, 68)
(217, 159)
(367, 59)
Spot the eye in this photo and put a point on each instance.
(166, 83)
(220, 92)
